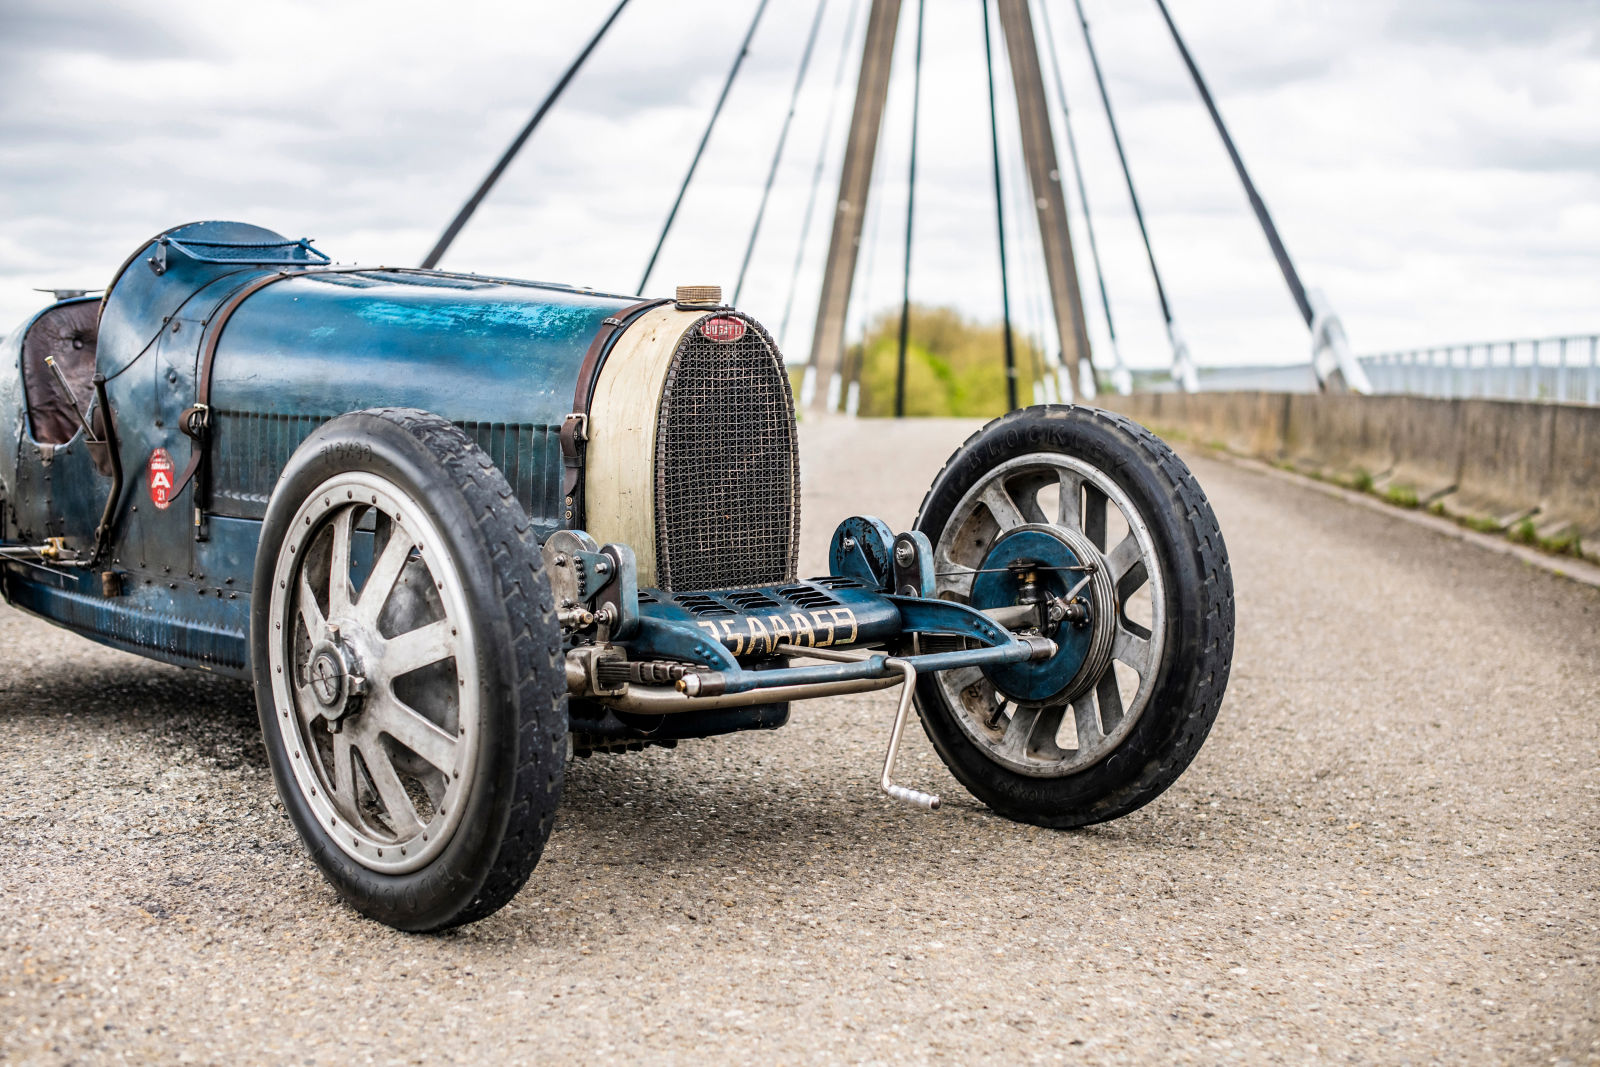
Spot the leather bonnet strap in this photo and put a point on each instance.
(195, 421)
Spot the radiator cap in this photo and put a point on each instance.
(699, 296)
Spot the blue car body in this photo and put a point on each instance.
(498, 357)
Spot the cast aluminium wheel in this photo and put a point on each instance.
(406, 669)
(1076, 504)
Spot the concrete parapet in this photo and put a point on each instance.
(1426, 442)
(1494, 462)
(1505, 458)
(1337, 435)
(1572, 492)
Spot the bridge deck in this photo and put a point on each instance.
(1386, 852)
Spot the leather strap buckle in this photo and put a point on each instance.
(195, 421)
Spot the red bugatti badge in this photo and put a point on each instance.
(722, 328)
(161, 478)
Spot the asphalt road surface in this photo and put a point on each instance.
(1387, 852)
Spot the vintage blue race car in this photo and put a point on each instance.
(456, 529)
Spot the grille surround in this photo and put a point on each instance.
(727, 464)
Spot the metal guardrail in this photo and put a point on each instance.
(1563, 369)
(1558, 369)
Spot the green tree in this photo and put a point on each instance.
(954, 366)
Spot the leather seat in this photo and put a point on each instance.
(69, 333)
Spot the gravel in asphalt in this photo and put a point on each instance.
(1387, 852)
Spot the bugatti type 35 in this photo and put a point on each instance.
(455, 529)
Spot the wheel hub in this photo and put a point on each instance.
(1047, 564)
(335, 678)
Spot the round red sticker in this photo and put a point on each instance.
(161, 478)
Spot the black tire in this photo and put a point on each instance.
(515, 704)
(1189, 674)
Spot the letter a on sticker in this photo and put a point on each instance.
(161, 480)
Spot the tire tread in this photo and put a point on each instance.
(538, 678)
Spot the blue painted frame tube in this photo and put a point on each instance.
(873, 667)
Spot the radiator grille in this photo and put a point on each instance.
(727, 466)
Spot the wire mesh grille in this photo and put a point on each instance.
(727, 466)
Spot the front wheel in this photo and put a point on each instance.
(1087, 511)
(406, 658)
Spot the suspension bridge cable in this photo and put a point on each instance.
(467, 209)
(911, 204)
(1279, 252)
(1182, 367)
(1000, 218)
(1083, 190)
(733, 72)
(777, 153)
(1122, 157)
(816, 173)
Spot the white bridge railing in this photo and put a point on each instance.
(1560, 369)
(1551, 368)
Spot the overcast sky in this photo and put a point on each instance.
(1434, 166)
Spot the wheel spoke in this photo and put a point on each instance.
(339, 594)
(1020, 730)
(1109, 695)
(1005, 511)
(1131, 582)
(1069, 723)
(1124, 558)
(306, 603)
(417, 648)
(344, 777)
(1095, 503)
(954, 577)
(414, 731)
(397, 804)
(1045, 730)
(306, 704)
(385, 572)
(1069, 505)
(1087, 722)
(1025, 493)
(1130, 648)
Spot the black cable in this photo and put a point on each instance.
(911, 204)
(1138, 213)
(449, 235)
(1000, 216)
(816, 173)
(738, 61)
(777, 153)
(1281, 254)
(1077, 171)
